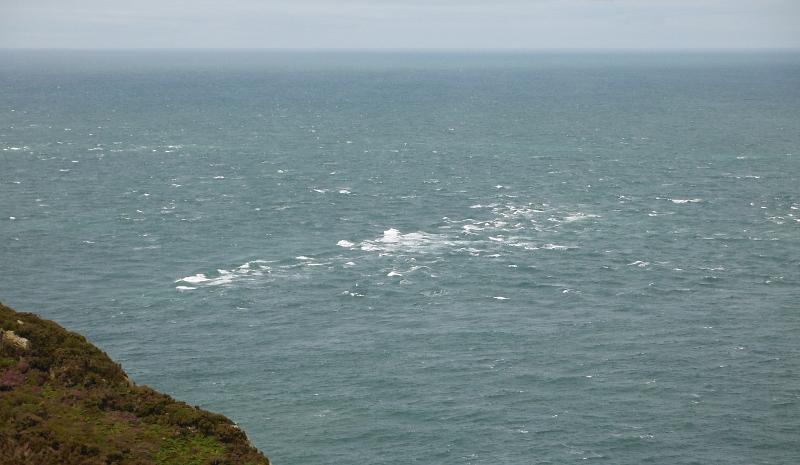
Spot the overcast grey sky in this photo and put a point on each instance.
(397, 24)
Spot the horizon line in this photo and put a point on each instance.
(415, 49)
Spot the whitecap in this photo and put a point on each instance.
(557, 247)
(225, 277)
(394, 273)
(198, 278)
(393, 240)
(185, 288)
(344, 243)
(579, 216)
(685, 200)
(499, 297)
(471, 250)
(390, 236)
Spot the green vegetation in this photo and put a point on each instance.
(63, 401)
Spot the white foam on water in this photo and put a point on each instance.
(499, 297)
(685, 200)
(346, 244)
(369, 247)
(557, 247)
(250, 269)
(393, 241)
(198, 278)
(472, 227)
(579, 216)
(402, 273)
(185, 288)
(471, 250)
(225, 277)
(390, 236)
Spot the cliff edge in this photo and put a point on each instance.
(64, 401)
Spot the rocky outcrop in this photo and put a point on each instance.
(8, 337)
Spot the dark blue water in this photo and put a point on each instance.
(432, 258)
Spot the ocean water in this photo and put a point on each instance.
(424, 257)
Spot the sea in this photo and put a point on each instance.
(367, 257)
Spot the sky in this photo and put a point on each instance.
(401, 24)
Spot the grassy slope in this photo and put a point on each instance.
(63, 401)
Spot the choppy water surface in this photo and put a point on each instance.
(431, 258)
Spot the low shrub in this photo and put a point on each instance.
(64, 401)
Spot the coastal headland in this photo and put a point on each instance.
(64, 401)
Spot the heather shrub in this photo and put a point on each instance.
(63, 401)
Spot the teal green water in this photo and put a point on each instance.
(430, 258)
